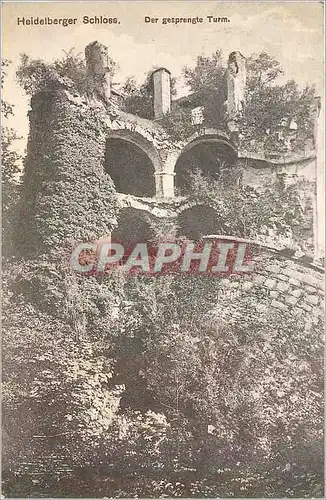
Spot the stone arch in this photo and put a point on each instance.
(207, 133)
(134, 226)
(132, 161)
(197, 221)
(188, 203)
(207, 152)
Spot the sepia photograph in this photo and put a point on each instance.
(162, 249)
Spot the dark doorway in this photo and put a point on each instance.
(130, 168)
(199, 221)
(209, 157)
(133, 227)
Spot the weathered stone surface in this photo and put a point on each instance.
(294, 282)
(279, 305)
(97, 62)
(309, 279)
(312, 299)
(306, 307)
(273, 268)
(283, 286)
(320, 283)
(270, 283)
(298, 311)
(236, 82)
(247, 285)
(296, 292)
(162, 92)
(306, 276)
(259, 279)
(291, 300)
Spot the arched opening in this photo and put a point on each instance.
(210, 156)
(133, 227)
(130, 168)
(199, 221)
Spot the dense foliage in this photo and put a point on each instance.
(120, 386)
(34, 75)
(139, 98)
(10, 170)
(270, 108)
(67, 197)
(277, 118)
(162, 398)
(281, 213)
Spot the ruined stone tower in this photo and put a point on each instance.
(95, 172)
(236, 84)
(104, 149)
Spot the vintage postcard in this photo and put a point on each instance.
(162, 249)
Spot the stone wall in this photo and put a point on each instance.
(261, 174)
(278, 283)
(67, 194)
(69, 135)
(279, 287)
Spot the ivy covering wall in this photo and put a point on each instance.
(68, 197)
(120, 386)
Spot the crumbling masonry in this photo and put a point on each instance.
(93, 170)
(91, 167)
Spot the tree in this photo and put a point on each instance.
(207, 84)
(276, 118)
(10, 174)
(207, 78)
(207, 72)
(262, 70)
(139, 98)
(232, 388)
(281, 214)
(34, 74)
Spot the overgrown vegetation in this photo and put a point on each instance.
(67, 198)
(34, 75)
(10, 170)
(121, 387)
(277, 118)
(177, 395)
(281, 213)
(271, 109)
(207, 77)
